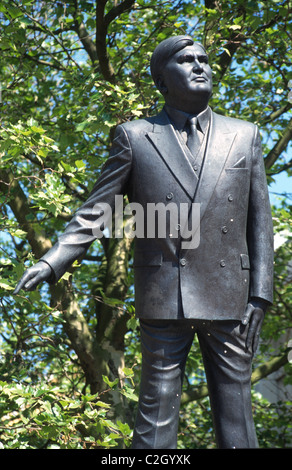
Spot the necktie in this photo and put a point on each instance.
(193, 141)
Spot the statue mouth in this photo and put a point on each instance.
(199, 79)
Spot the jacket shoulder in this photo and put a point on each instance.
(235, 124)
(141, 125)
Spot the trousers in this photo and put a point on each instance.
(227, 362)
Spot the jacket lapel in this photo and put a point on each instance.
(171, 151)
(218, 148)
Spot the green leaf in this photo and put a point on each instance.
(110, 383)
(6, 286)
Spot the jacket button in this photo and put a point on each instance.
(224, 229)
(169, 196)
(222, 263)
(230, 197)
(183, 262)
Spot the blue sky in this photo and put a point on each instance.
(283, 184)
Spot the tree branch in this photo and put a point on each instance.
(285, 167)
(101, 46)
(44, 62)
(260, 373)
(275, 114)
(79, 334)
(47, 30)
(117, 11)
(279, 147)
(20, 207)
(75, 324)
(233, 43)
(98, 51)
(87, 42)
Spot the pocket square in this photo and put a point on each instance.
(241, 163)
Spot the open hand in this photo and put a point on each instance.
(33, 276)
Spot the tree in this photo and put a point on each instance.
(70, 72)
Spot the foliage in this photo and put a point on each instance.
(35, 416)
(278, 434)
(70, 72)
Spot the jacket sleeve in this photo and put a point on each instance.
(260, 228)
(85, 226)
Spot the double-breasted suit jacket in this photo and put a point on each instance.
(234, 258)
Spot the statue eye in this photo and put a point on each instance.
(186, 58)
(204, 58)
(189, 58)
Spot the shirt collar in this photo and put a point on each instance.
(179, 118)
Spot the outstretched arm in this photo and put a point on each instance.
(87, 221)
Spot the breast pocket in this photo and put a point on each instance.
(235, 171)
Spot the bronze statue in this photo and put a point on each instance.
(220, 288)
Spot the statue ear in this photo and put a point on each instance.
(161, 85)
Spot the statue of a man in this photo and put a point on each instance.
(219, 289)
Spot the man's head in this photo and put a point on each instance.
(180, 70)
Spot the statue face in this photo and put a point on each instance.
(187, 79)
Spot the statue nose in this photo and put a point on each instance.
(197, 65)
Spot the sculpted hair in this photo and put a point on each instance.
(165, 50)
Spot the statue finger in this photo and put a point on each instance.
(247, 314)
(24, 279)
(18, 287)
(259, 314)
(249, 338)
(256, 341)
(34, 281)
(253, 334)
